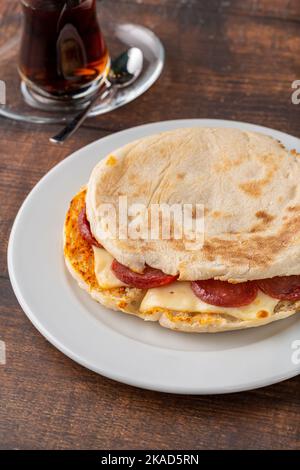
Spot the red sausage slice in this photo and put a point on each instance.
(281, 287)
(151, 277)
(225, 294)
(85, 230)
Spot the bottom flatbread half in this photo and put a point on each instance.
(79, 257)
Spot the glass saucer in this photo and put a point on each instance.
(119, 38)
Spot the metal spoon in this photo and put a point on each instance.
(125, 69)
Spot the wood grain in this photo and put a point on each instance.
(225, 59)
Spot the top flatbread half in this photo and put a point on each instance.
(248, 184)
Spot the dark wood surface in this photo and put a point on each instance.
(225, 59)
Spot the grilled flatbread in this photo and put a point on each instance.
(247, 182)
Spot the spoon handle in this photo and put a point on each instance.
(76, 122)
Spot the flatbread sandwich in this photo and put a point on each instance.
(243, 271)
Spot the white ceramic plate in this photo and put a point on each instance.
(117, 345)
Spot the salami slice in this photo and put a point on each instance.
(281, 287)
(85, 230)
(151, 277)
(225, 294)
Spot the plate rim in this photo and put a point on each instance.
(179, 389)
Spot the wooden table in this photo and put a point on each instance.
(225, 59)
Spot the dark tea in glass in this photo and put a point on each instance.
(63, 54)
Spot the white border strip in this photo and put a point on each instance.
(2, 353)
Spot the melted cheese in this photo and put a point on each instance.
(179, 296)
(104, 275)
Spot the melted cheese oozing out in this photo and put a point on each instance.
(104, 275)
(179, 296)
